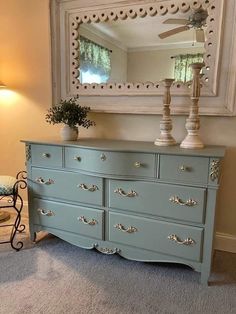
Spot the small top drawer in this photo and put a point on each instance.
(184, 169)
(113, 163)
(46, 155)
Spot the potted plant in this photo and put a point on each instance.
(72, 115)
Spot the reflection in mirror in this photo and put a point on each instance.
(140, 50)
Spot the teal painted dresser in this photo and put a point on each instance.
(144, 202)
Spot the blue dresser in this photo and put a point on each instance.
(144, 202)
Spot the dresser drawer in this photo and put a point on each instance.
(171, 201)
(168, 238)
(68, 186)
(46, 155)
(184, 169)
(85, 221)
(114, 163)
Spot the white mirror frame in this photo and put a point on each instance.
(218, 82)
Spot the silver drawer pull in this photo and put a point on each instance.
(77, 158)
(137, 164)
(45, 212)
(84, 187)
(122, 193)
(103, 157)
(184, 168)
(46, 155)
(188, 241)
(130, 229)
(40, 180)
(91, 222)
(176, 200)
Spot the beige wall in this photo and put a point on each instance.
(154, 65)
(25, 68)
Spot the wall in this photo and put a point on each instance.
(154, 65)
(25, 68)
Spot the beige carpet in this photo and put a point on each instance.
(55, 277)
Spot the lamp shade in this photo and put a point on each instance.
(2, 85)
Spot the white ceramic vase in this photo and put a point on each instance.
(69, 134)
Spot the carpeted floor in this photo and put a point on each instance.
(55, 277)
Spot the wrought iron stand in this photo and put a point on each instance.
(15, 201)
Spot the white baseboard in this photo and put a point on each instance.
(225, 242)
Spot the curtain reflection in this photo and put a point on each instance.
(95, 62)
(182, 70)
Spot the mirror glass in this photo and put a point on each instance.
(131, 50)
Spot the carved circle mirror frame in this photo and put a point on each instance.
(211, 56)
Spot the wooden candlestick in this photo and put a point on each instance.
(165, 138)
(192, 140)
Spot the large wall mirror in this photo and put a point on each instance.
(105, 49)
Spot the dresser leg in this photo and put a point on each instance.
(204, 278)
(33, 236)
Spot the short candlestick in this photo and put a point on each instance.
(165, 138)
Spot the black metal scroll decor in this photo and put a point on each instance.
(14, 200)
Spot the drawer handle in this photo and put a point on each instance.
(46, 155)
(103, 157)
(188, 241)
(84, 187)
(40, 180)
(176, 200)
(45, 212)
(130, 229)
(137, 164)
(122, 193)
(184, 168)
(77, 158)
(87, 222)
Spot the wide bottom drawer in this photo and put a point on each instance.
(85, 221)
(164, 237)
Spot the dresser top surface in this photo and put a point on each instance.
(132, 146)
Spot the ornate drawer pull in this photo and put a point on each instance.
(87, 222)
(188, 241)
(40, 180)
(84, 187)
(137, 164)
(175, 199)
(46, 155)
(77, 158)
(122, 193)
(45, 212)
(128, 230)
(103, 157)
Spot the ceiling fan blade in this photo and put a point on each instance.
(173, 31)
(176, 21)
(200, 36)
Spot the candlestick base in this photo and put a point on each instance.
(192, 141)
(165, 140)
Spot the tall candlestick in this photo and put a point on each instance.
(165, 138)
(192, 140)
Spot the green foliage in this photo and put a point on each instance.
(70, 113)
